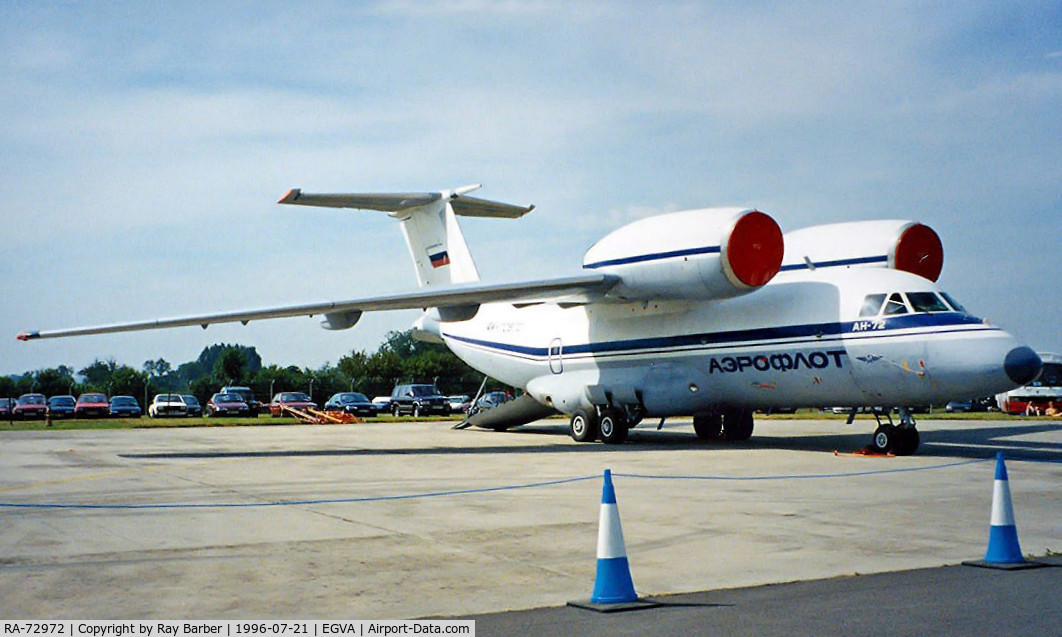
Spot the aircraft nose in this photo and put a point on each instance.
(1022, 365)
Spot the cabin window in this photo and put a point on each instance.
(895, 305)
(953, 303)
(872, 305)
(926, 302)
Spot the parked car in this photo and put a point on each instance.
(492, 399)
(92, 406)
(125, 407)
(167, 406)
(227, 405)
(246, 394)
(383, 404)
(195, 410)
(419, 400)
(30, 406)
(61, 406)
(459, 403)
(5, 407)
(353, 403)
(777, 410)
(974, 404)
(292, 399)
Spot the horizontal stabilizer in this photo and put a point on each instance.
(521, 411)
(475, 207)
(397, 202)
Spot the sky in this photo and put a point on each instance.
(143, 147)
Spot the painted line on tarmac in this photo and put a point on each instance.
(806, 476)
(230, 505)
(455, 492)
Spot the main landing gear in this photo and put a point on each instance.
(608, 424)
(899, 439)
(731, 425)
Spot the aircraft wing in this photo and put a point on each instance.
(573, 289)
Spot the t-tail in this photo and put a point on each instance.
(429, 224)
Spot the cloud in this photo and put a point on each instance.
(144, 146)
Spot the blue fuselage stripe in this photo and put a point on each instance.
(656, 256)
(751, 337)
(838, 263)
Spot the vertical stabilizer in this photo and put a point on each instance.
(437, 245)
(429, 224)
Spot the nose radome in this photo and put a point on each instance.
(1022, 365)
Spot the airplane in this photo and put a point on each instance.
(711, 313)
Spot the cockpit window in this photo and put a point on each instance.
(953, 303)
(895, 305)
(872, 304)
(926, 302)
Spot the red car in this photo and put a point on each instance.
(30, 406)
(227, 405)
(293, 399)
(92, 406)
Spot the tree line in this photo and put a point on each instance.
(399, 359)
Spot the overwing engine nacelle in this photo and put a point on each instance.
(706, 254)
(898, 244)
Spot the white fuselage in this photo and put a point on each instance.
(798, 341)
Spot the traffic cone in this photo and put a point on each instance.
(1003, 551)
(613, 586)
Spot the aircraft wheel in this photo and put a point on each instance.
(737, 425)
(708, 426)
(885, 438)
(583, 426)
(613, 429)
(908, 441)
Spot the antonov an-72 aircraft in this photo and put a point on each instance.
(708, 313)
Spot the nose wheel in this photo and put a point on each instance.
(900, 440)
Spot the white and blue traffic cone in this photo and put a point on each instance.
(613, 586)
(1003, 548)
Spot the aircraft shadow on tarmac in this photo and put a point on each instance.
(980, 440)
(988, 438)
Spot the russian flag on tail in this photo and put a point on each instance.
(439, 259)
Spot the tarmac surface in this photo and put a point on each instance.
(406, 520)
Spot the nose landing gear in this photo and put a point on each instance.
(899, 439)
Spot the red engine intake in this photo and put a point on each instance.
(918, 251)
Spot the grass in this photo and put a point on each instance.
(165, 423)
(171, 423)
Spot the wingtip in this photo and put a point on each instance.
(291, 196)
(27, 336)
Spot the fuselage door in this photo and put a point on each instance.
(556, 351)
